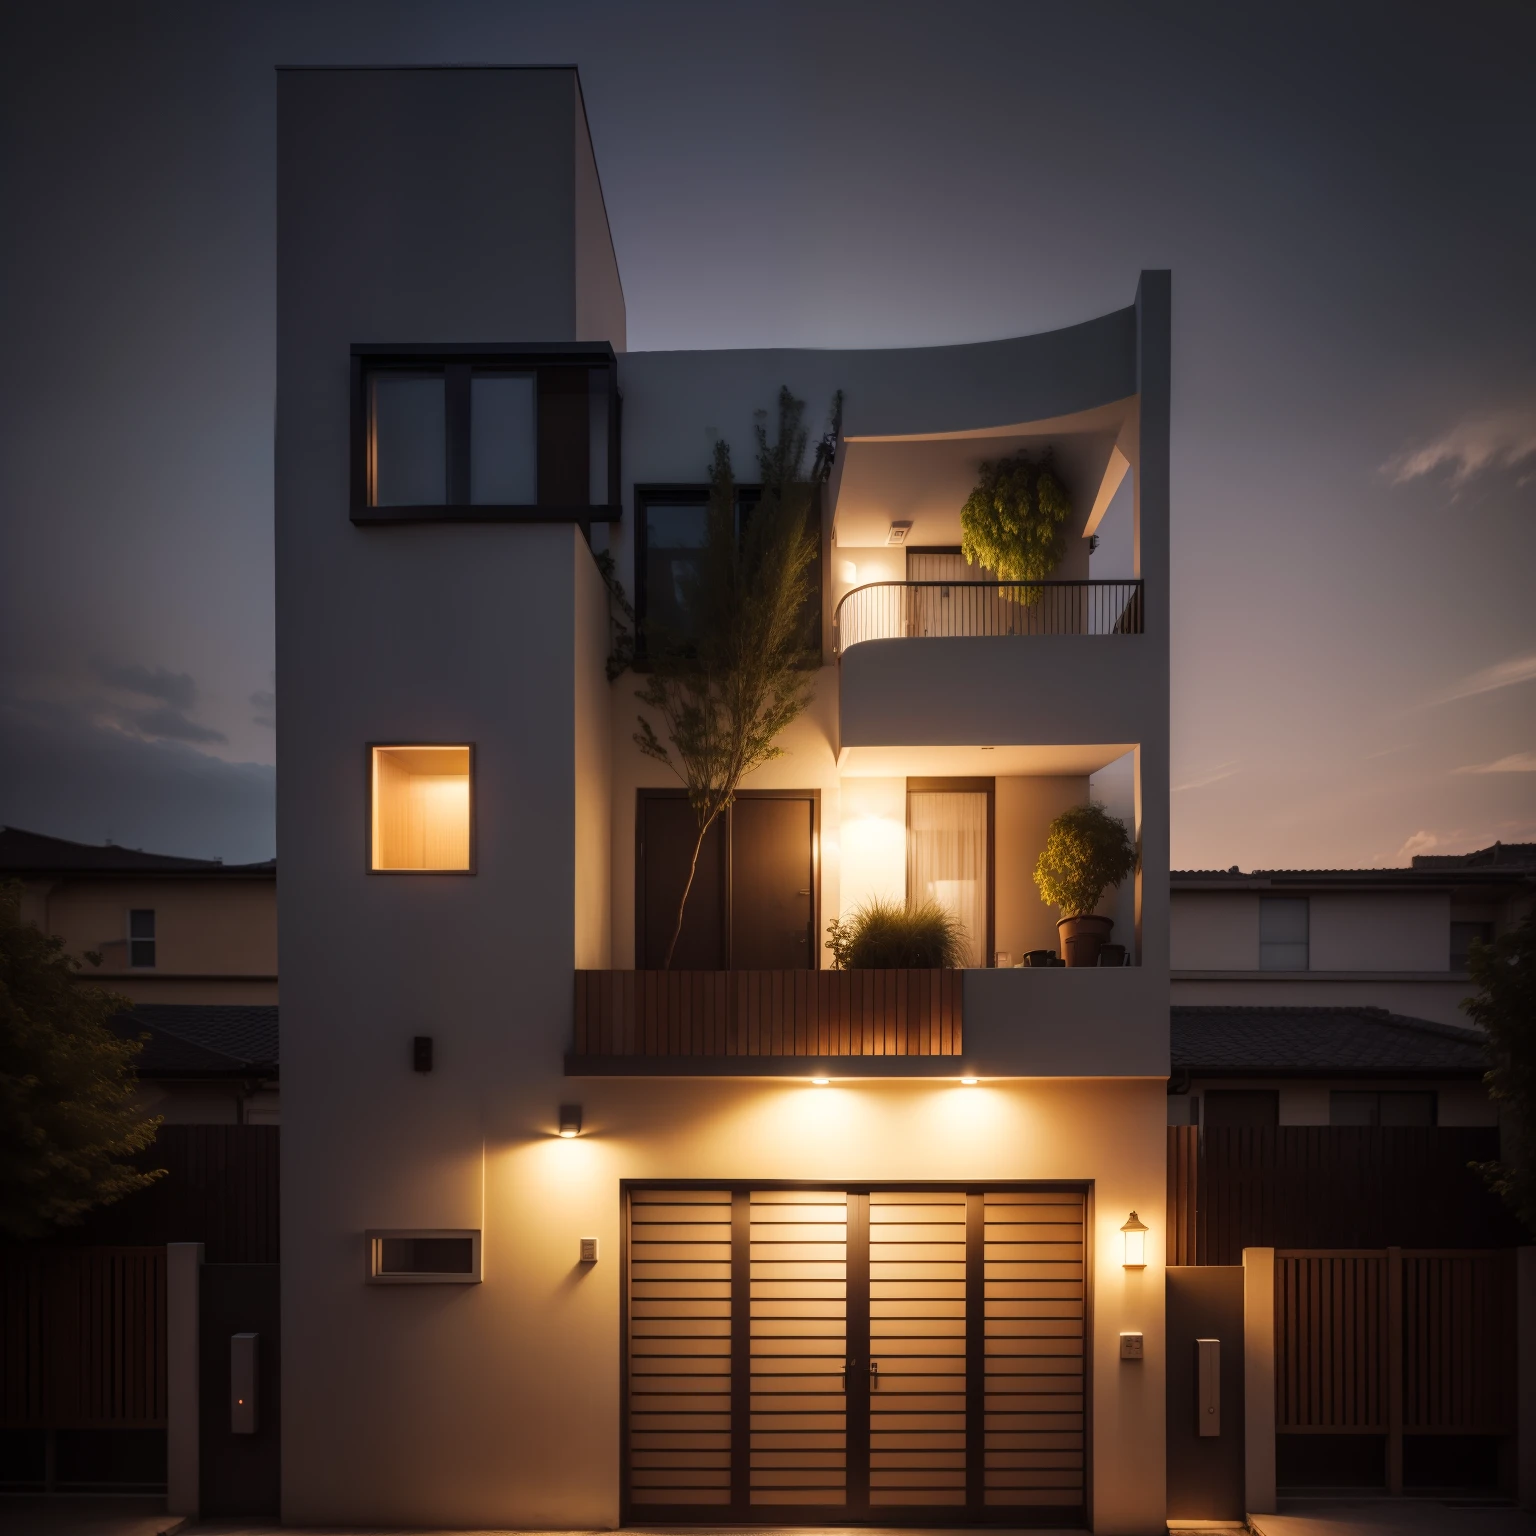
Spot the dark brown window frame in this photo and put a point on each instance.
(544, 360)
(813, 795)
(970, 786)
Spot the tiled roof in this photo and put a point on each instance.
(1501, 859)
(1320, 1042)
(23, 852)
(204, 1039)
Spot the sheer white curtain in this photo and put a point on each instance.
(947, 858)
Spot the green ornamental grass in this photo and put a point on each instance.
(885, 935)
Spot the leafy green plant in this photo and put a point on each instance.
(68, 1097)
(882, 934)
(1013, 522)
(727, 689)
(1086, 851)
(1505, 1006)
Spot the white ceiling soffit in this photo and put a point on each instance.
(977, 762)
(927, 478)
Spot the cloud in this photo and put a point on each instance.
(1213, 776)
(64, 773)
(174, 688)
(1503, 674)
(1516, 762)
(1498, 440)
(167, 724)
(1426, 842)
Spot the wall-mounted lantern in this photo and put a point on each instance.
(570, 1120)
(1135, 1233)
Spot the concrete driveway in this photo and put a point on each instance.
(1393, 1517)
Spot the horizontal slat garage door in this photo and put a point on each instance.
(904, 1356)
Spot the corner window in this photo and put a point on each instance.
(1393, 1107)
(1283, 933)
(141, 938)
(481, 434)
(421, 809)
(1463, 937)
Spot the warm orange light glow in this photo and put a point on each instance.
(421, 808)
(1135, 1232)
(821, 1082)
(970, 1082)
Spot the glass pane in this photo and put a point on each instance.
(1283, 919)
(947, 859)
(141, 923)
(408, 440)
(1227, 1107)
(503, 440)
(597, 442)
(1408, 1108)
(673, 537)
(1351, 1108)
(426, 1256)
(1283, 957)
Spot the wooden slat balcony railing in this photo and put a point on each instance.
(768, 1013)
(902, 610)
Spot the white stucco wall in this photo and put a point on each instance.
(1392, 931)
(1213, 931)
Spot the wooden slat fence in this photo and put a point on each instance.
(82, 1338)
(1328, 1187)
(768, 1013)
(1183, 1189)
(220, 1189)
(1394, 1342)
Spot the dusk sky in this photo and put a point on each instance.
(1346, 195)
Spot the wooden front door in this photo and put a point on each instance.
(902, 1356)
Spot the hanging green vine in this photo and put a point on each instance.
(1014, 522)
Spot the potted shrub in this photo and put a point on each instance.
(1014, 522)
(882, 935)
(1087, 852)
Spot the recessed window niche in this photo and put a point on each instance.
(421, 809)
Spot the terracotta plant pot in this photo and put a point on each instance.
(1082, 936)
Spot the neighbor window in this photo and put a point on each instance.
(421, 808)
(1463, 937)
(141, 938)
(1283, 925)
(423, 1257)
(1233, 1108)
(1353, 1106)
(478, 433)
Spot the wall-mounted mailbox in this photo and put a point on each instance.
(243, 1351)
(1131, 1346)
(589, 1250)
(1208, 1386)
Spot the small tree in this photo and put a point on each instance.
(68, 1118)
(1505, 1005)
(1012, 522)
(726, 689)
(1086, 852)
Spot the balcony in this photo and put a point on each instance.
(902, 610)
(870, 1024)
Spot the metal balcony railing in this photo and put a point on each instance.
(900, 610)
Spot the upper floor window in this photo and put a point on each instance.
(671, 530)
(482, 434)
(141, 938)
(421, 809)
(1240, 1108)
(1463, 937)
(1283, 933)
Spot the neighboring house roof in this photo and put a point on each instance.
(1320, 1042)
(32, 853)
(203, 1039)
(1502, 865)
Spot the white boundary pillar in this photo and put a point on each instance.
(183, 1283)
(1259, 1380)
(1525, 1376)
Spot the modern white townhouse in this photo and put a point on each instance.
(571, 1237)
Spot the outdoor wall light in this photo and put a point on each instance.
(1135, 1232)
(820, 1082)
(570, 1120)
(969, 1082)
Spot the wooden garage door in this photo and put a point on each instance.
(911, 1356)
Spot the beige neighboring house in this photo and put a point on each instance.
(192, 943)
(168, 930)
